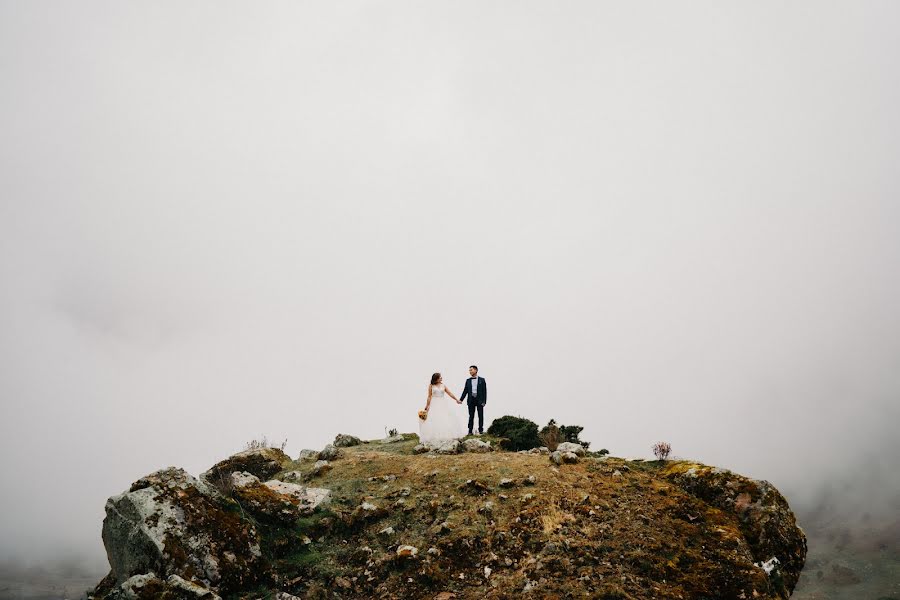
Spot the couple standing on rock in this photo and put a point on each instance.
(438, 423)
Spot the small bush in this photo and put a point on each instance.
(518, 433)
(662, 450)
(263, 443)
(392, 432)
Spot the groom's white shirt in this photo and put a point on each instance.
(474, 385)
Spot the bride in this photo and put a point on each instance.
(440, 424)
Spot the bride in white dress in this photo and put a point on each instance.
(442, 423)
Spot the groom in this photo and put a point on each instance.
(476, 390)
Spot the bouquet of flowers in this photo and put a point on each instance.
(423, 414)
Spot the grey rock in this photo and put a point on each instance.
(329, 452)
(393, 439)
(559, 458)
(310, 498)
(320, 468)
(343, 440)
(578, 449)
(447, 447)
(307, 454)
(170, 523)
(190, 588)
(243, 479)
(476, 445)
(261, 462)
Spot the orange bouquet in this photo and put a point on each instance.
(423, 414)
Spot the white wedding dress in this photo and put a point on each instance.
(443, 422)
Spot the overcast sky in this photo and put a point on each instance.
(224, 220)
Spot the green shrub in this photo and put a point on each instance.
(518, 433)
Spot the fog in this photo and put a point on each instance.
(220, 221)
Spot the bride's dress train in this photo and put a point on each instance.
(442, 423)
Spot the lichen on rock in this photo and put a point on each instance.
(169, 523)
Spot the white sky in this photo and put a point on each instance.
(222, 220)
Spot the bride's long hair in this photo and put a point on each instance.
(435, 378)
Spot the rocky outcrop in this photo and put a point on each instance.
(169, 523)
(559, 457)
(261, 462)
(454, 521)
(275, 501)
(173, 536)
(329, 452)
(342, 440)
(776, 543)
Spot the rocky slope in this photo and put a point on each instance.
(394, 519)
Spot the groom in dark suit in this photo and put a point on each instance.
(476, 392)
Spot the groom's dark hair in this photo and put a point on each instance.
(473, 367)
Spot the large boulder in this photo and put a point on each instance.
(264, 463)
(342, 440)
(329, 452)
(169, 523)
(307, 454)
(765, 519)
(559, 457)
(577, 449)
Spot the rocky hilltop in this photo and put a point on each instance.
(395, 519)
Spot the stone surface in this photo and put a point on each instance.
(766, 520)
(560, 458)
(308, 498)
(329, 452)
(319, 468)
(577, 449)
(170, 523)
(343, 440)
(261, 462)
(149, 587)
(307, 454)
(476, 445)
(448, 447)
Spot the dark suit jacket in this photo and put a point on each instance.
(482, 392)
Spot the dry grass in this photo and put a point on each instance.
(590, 516)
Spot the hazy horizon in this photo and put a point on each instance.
(223, 221)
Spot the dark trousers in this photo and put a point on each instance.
(472, 407)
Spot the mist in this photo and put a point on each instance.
(222, 221)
